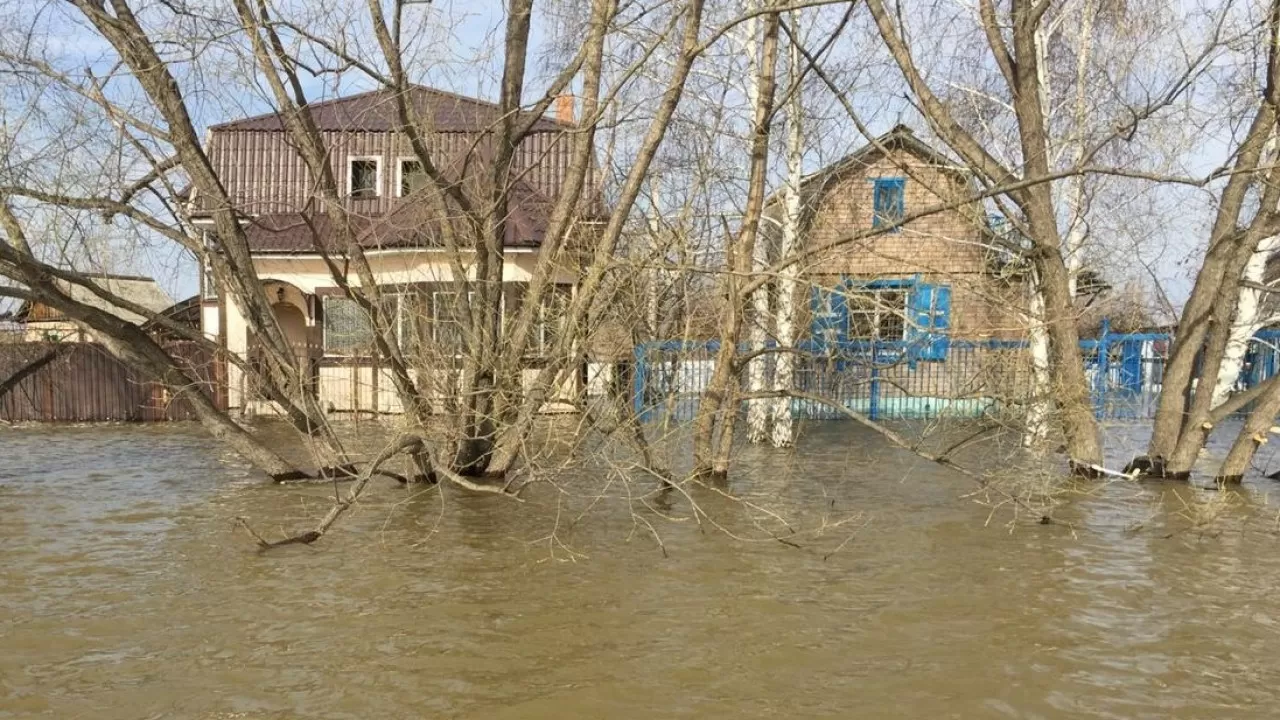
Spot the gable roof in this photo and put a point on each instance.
(815, 186)
(901, 137)
(375, 111)
(135, 288)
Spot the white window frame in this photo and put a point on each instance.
(377, 186)
(435, 317)
(541, 326)
(880, 308)
(400, 161)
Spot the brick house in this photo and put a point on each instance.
(930, 295)
(294, 250)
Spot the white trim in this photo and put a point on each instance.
(400, 160)
(377, 160)
(880, 309)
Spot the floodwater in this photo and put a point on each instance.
(128, 591)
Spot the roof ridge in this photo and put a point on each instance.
(413, 87)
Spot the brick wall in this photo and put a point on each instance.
(943, 248)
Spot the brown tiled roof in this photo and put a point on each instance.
(268, 181)
(409, 224)
(375, 111)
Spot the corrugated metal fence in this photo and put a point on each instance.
(81, 382)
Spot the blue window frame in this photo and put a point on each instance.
(888, 203)
(930, 308)
(915, 314)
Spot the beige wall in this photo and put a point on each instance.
(347, 387)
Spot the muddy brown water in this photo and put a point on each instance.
(126, 591)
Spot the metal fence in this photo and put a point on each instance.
(923, 380)
(81, 382)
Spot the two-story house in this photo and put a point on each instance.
(934, 296)
(294, 249)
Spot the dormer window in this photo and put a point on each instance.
(364, 177)
(411, 179)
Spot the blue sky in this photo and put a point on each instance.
(458, 51)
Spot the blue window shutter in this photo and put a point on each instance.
(840, 311)
(940, 341)
(921, 307)
(930, 307)
(830, 315)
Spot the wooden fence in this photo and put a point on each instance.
(82, 382)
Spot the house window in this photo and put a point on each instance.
(347, 329)
(447, 321)
(364, 177)
(208, 286)
(549, 324)
(413, 320)
(410, 178)
(888, 201)
(399, 310)
(877, 314)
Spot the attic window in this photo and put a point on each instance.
(412, 179)
(364, 177)
(888, 202)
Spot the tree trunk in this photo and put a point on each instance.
(784, 364)
(1252, 436)
(1070, 385)
(1222, 317)
(603, 255)
(757, 408)
(1040, 406)
(719, 401)
(1250, 318)
(757, 368)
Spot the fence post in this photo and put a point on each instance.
(1104, 367)
(873, 411)
(638, 382)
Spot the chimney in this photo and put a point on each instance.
(564, 109)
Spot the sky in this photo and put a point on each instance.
(458, 47)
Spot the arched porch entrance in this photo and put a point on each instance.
(296, 313)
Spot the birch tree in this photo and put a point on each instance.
(784, 369)
(1253, 314)
(718, 409)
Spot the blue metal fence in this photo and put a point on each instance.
(912, 380)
